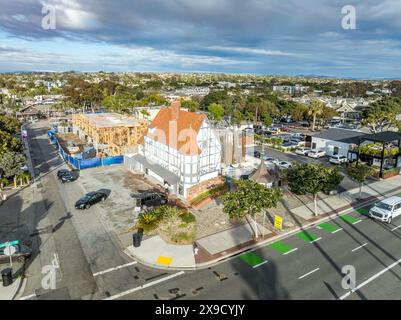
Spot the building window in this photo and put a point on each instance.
(181, 190)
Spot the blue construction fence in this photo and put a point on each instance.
(82, 164)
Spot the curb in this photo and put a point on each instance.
(254, 247)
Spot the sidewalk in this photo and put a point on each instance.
(156, 253)
(9, 292)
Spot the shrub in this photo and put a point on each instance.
(148, 221)
(4, 182)
(210, 193)
(187, 217)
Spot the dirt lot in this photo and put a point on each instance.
(118, 213)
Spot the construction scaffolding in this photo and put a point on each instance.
(110, 133)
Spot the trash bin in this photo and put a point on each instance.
(7, 276)
(136, 240)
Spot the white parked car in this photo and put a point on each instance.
(316, 154)
(285, 165)
(302, 151)
(338, 159)
(386, 209)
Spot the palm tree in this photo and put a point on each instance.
(315, 110)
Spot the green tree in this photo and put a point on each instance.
(359, 172)
(216, 111)
(311, 179)
(10, 124)
(11, 163)
(250, 198)
(315, 110)
(190, 104)
(380, 121)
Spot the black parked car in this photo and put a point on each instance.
(149, 199)
(70, 176)
(256, 154)
(21, 254)
(90, 199)
(62, 172)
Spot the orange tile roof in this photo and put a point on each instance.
(177, 128)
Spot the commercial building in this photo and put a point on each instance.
(182, 150)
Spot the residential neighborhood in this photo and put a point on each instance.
(214, 184)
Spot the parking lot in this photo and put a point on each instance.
(118, 211)
(293, 158)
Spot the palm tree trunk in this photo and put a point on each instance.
(314, 122)
(360, 190)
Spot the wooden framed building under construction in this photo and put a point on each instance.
(110, 133)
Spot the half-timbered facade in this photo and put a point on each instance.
(180, 148)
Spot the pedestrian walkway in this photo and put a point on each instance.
(228, 239)
(347, 198)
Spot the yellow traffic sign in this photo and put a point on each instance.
(278, 222)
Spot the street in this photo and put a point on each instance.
(302, 266)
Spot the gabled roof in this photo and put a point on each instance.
(177, 129)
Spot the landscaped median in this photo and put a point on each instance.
(172, 224)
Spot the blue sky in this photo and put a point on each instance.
(288, 37)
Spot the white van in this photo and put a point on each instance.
(386, 209)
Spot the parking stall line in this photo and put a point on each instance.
(260, 264)
(295, 249)
(115, 268)
(396, 228)
(320, 238)
(337, 230)
(309, 273)
(357, 222)
(357, 248)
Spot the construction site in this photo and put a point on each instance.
(111, 134)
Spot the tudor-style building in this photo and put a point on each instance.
(182, 149)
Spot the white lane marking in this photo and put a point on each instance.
(317, 227)
(115, 268)
(28, 297)
(119, 295)
(337, 230)
(307, 274)
(353, 250)
(316, 240)
(370, 280)
(396, 228)
(260, 264)
(290, 251)
(357, 221)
